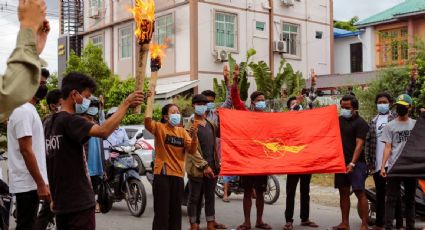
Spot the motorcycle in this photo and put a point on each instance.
(419, 202)
(125, 181)
(271, 195)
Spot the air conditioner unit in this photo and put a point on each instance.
(287, 2)
(221, 55)
(94, 12)
(280, 47)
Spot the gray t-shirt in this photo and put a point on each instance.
(397, 133)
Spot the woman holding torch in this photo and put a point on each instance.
(171, 144)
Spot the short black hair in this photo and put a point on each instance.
(288, 103)
(352, 99)
(77, 81)
(209, 93)
(45, 72)
(41, 92)
(384, 94)
(256, 94)
(165, 110)
(54, 96)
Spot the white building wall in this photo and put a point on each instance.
(368, 39)
(342, 54)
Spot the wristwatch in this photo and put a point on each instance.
(352, 164)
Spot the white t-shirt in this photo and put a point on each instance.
(381, 121)
(25, 122)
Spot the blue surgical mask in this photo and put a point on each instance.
(93, 111)
(261, 105)
(383, 108)
(83, 107)
(346, 113)
(175, 119)
(200, 110)
(210, 106)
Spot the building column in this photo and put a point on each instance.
(193, 20)
(331, 36)
(411, 39)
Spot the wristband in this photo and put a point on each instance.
(352, 164)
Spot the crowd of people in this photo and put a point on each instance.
(61, 158)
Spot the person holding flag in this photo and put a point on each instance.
(395, 136)
(249, 183)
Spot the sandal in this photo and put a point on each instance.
(288, 226)
(243, 227)
(226, 200)
(309, 223)
(339, 228)
(219, 226)
(263, 226)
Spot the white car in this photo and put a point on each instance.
(144, 142)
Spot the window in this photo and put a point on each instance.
(96, 3)
(97, 41)
(226, 30)
(260, 26)
(126, 37)
(319, 34)
(291, 35)
(393, 47)
(164, 29)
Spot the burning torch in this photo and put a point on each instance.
(157, 55)
(144, 16)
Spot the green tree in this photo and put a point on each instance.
(347, 25)
(294, 81)
(91, 63)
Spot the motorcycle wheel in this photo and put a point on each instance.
(273, 190)
(219, 188)
(135, 197)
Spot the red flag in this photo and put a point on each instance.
(255, 143)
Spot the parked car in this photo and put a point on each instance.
(144, 142)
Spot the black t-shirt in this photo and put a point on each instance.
(351, 129)
(66, 163)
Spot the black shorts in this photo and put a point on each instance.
(257, 182)
(355, 179)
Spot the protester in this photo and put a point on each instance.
(94, 149)
(395, 136)
(118, 137)
(54, 101)
(27, 161)
(66, 133)
(353, 133)
(291, 188)
(171, 143)
(251, 183)
(24, 64)
(374, 151)
(202, 168)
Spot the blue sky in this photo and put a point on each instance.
(343, 10)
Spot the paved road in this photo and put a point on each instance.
(228, 213)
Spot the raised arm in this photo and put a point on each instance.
(236, 99)
(22, 76)
(228, 102)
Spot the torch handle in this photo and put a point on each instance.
(152, 86)
(141, 71)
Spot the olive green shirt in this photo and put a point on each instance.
(21, 80)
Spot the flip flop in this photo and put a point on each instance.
(309, 223)
(339, 228)
(226, 200)
(263, 226)
(243, 227)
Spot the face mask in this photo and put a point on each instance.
(83, 107)
(175, 119)
(58, 109)
(346, 113)
(402, 110)
(210, 106)
(261, 105)
(93, 111)
(200, 110)
(383, 108)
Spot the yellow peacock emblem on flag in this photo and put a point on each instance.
(277, 149)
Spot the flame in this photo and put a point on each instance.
(144, 16)
(158, 50)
